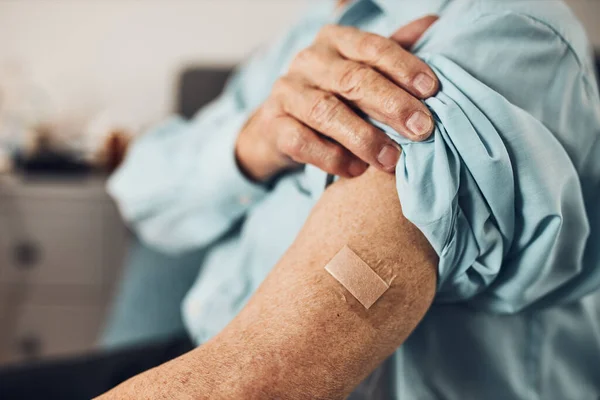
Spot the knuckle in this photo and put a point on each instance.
(278, 124)
(281, 86)
(326, 31)
(393, 106)
(352, 79)
(269, 110)
(293, 143)
(374, 47)
(304, 57)
(403, 69)
(364, 140)
(323, 108)
(334, 159)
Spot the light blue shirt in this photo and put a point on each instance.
(507, 191)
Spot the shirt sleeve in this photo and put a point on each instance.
(497, 189)
(179, 189)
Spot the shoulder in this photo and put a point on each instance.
(518, 48)
(553, 20)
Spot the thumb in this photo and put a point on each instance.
(408, 35)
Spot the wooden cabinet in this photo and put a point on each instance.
(62, 245)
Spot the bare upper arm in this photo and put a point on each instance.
(303, 328)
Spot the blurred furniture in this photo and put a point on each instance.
(199, 86)
(61, 246)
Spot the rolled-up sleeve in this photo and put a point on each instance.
(497, 192)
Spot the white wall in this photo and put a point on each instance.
(124, 54)
(92, 55)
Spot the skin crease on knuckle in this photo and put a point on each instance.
(393, 106)
(405, 70)
(281, 88)
(294, 143)
(374, 48)
(303, 60)
(367, 139)
(400, 109)
(294, 97)
(323, 109)
(353, 79)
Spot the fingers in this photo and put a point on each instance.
(385, 55)
(305, 146)
(328, 115)
(372, 92)
(375, 74)
(408, 35)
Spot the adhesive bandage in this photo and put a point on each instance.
(357, 277)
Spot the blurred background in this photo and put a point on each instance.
(78, 80)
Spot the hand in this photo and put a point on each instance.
(310, 116)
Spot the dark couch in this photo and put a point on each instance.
(199, 86)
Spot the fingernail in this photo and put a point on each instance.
(420, 123)
(424, 84)
(357, 168)
(388, 157)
